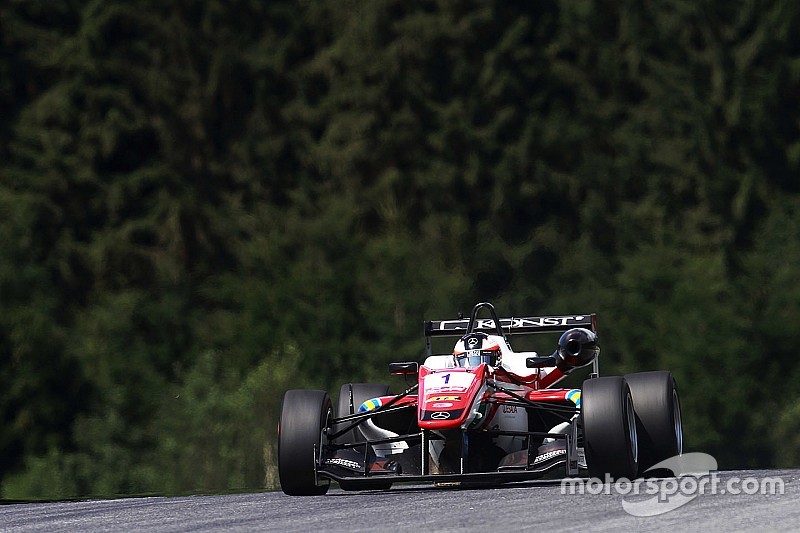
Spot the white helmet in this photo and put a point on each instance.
(475, 348)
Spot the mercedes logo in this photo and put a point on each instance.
(440, 415)
(472, 342)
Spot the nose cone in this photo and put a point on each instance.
(446, 396)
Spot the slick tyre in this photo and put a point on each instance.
(304, 416)
(658, 417)
(609, 428)
(360, 393)
(351, 396)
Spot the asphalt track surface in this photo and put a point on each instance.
(538, 506)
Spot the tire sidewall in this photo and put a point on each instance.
(305, 414)
(609, 428)
(658, 418)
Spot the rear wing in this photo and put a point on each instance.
(533, 324)
(509, 326)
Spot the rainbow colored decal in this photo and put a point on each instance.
(574, 396)
(369, 405)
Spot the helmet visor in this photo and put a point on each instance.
(473, 358)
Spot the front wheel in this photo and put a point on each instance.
(305, 414)
(609, 428)
(658, 416)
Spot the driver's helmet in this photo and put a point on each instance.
(475, 348)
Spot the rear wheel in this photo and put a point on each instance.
(609, 428)
(658, 417)
(304, 416)
(351, 396)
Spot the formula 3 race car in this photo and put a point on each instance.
(482, 414)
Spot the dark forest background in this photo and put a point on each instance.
(204, 203)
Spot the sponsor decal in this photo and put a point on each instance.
(442, 390)
(546, 456)
(347, 463)
(472, 342)
(538, 322)
(509, 408)
(451, 414)
(444, 399)
(442, 405)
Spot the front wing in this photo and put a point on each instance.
(356, 466)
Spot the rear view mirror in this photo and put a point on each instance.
(540, 362)
(409, 367)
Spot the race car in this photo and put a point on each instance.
(482, 413)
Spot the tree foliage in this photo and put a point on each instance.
(206, 203)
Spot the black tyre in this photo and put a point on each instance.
(360, 393)
(304, 416)
(351, 396)
(658, 416)
(609, 428)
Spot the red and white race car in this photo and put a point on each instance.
(483, 413)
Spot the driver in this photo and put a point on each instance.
(475, 348)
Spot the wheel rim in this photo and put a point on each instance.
(676, 415)
(632, 435)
